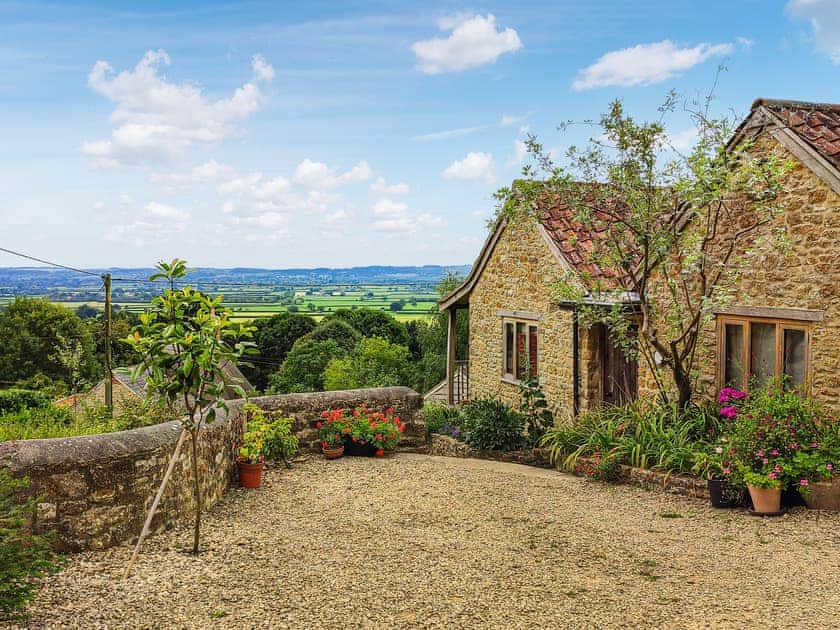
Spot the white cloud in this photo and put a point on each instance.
(449, 133)
(155, 119)
(745, 42)
(318, 175)
(395, 216)
(337, 218)
(684, 140)
(824, 17)
(210, 171)
(474, 166)
(474, 41)
(380, 186)
(508, 120)
(162, 211)
(263, 71)
(645, 64)
(520, 150)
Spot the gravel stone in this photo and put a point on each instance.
(413, 541)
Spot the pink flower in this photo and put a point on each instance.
(759, 453)
(774, 452)
(815, 444)
(726, 471)
(829, 466)
(728, 412)
(765, 461)
(803, 482)
(772, 475)
(777, 468)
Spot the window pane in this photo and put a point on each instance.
(794, 363)
(532, 350)
(733, 366)
(762, 351)
(521, 356)
(509, 348)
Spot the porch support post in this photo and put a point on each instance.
(450, 356)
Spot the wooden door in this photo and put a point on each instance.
(619, 375)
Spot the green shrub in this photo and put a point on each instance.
(276, 431)
(14, 400)
(493, 425)
(24, 557)
(437, 417)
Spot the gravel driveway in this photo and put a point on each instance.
(433, 542)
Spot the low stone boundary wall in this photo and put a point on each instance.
(306, 410)
(450, 447)
(649, 479)
(96, 489)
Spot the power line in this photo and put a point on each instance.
(47, 262)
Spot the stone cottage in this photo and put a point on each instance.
(784, 320)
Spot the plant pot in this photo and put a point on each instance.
(766, 500)
(823, 495)
(250, 475)
(333, 452)
(354, 449)
(723, 494)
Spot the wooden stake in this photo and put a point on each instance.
(153, 509)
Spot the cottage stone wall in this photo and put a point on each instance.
(95, 490)
(806, 277)
(518, 277)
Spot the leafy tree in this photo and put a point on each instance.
(86, 311)
(31, 329)
(303, 368)
(373, 323)
(337, 330)
(673, 222)
(274, 338)
(374, 363)
(122, 322)
(397, 306)
(184, 339)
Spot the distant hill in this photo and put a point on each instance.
(44, 280)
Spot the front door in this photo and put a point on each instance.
(619, 374)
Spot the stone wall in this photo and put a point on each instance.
(96, 490)
(306, 410)
(518, 277)
(446, 446)
(806, 277)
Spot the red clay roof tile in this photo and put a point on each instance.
(818, 124)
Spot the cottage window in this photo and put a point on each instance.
(762, 349)
(521, 355)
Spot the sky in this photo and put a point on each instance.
(292, 134)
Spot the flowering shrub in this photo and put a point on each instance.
(361, 426)
(775, 437)
(266, 436)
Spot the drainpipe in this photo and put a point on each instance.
(575, 363)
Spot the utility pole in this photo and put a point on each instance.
(109, 389)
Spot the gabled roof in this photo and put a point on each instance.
(231, 371)
(568, 239)
(811, 131)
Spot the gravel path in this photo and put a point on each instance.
(433, 542)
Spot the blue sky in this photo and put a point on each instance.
(288, 134)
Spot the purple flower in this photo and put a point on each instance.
(456, 432)
(829, 466)
(737, 394)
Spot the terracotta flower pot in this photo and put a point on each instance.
(823, 495)
(250, 475)
(766, 500)
(333, 452)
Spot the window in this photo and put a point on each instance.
(521, 349)
(763, 349)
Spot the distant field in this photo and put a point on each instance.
(253, 303)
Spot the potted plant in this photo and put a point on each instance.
(816, 466)
(715, 466)
(765, 492)
(332, 431)
(365, 433)
(251, 454)
(768, 430)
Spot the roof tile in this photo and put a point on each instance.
(818, 124)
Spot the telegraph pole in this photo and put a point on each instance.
(109, 391)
